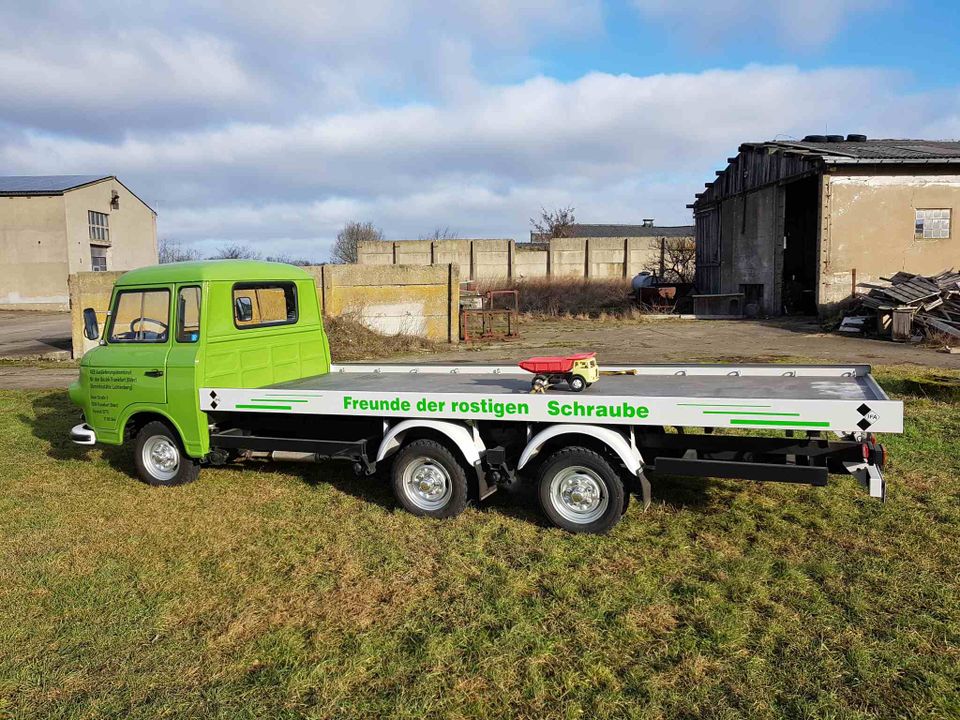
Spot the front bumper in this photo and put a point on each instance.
(83, 434)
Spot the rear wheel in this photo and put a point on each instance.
(429, 481)
(581, 492)
(540, 383)
(160, 458)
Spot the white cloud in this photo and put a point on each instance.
(618, 147)
(275, 123)
(101, 67)
(800, 24)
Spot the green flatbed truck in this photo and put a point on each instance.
(207, 363)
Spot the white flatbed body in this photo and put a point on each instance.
(843, 399)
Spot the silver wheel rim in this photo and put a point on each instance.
(161, 457)
(426, 484)
(579, 495)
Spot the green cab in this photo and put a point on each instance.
(175, 328)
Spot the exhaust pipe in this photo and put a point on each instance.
(291, 456)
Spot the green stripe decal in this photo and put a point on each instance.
(277, 399)
(778, 423)
(748, 412)
(719, 405)
(263, 407)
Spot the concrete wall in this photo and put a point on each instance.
(531, 263)
(43, 239)
(867, 229)
(479, 259)
(133, 227)
(411, 299)
(33, 254)
(419, 300)
(89, 289)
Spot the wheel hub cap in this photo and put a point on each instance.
(427, 484)
(161, 458)
(578, 495)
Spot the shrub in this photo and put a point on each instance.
(559, 297)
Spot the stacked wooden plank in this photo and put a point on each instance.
(930, 304)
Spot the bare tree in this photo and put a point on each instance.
(554, 223)
(349, 239)
(672, 259)
(441, 233)
(235, 251)
(289, 259)
(169, 251)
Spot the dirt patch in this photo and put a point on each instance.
(660, 341)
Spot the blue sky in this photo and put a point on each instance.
(273, 124)
(920, 37)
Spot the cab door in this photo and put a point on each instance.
(131, 369)
(183, 368)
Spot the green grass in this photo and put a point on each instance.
(284, 591)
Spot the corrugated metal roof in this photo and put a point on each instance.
(45, 184)
(582, 230)
(903, 150)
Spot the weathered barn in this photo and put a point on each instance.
(52, 226)
(792, 227)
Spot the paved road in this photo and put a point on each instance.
(25, 333)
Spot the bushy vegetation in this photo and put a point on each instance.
(350, 340)
(561, 297)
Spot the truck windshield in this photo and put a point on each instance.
(141, 316)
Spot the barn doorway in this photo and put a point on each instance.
(800, 217)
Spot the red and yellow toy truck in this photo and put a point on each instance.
(578, 371)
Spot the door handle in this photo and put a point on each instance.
(154, 373)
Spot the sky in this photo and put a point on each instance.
(272, 124)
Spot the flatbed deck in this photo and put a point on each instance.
(829, 398)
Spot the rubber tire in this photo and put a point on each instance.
(618, 497)
(455, 470)
(189, 468)
(577, 383)
(540, 382)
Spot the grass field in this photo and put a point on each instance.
(298, 590)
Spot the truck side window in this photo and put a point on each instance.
(140, 316)
(188, 314)
(259, 304)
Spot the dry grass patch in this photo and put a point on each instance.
(351, 340)
(299, 591)
(565, 297)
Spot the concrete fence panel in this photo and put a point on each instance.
(531, 263)
(89, 289)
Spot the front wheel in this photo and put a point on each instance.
(580, 492)
(577, 383)
(429, 481)
(160, 458)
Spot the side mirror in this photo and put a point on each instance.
(243, 309)
(91, 328)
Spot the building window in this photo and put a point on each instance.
(98, 258)
(932, 224)
(99, 225)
